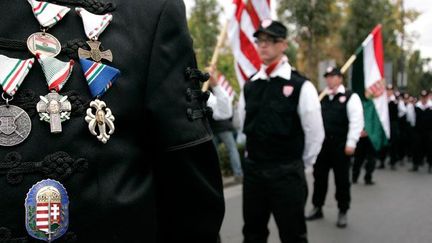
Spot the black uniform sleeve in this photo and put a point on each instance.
(178, 120)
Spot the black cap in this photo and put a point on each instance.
(424, 93)
(272, 28)
(331, 71)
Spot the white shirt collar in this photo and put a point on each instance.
(340, 89)
(424, 107)
(282, 70)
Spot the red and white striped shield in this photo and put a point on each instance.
(43, 213)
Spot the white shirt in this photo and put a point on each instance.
(308, 109)
(402, 110)
(410, 114)
(221, 103)
(355, 117)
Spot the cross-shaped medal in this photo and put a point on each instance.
(55, 109)
(95, 53)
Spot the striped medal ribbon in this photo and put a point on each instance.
(53, 107)
(47, 14)
(100, 77)
(15, 123)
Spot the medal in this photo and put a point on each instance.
(15, 123)
(47, 210)
(100, 77)
(53, 107)
(48, 15)
(94, 25)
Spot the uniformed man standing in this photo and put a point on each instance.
(284, 132)
(423, 132)
(394, 126)
(343, 122)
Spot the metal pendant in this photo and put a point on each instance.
(15, 125)
(95, 53)
(102, 118)
(44, 44)
(54, 109)
(47, 210)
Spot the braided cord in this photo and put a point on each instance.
(93, 6)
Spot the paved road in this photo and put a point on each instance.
(398, 209)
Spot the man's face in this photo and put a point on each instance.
(333, 81)
(389, 92)
(270, 48)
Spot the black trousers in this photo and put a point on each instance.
(332, 156)
(364, 152)
(278, 189)
(423, 147)
(394, 142)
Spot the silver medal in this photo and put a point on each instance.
(102, 119)
(44, 44)
(15, 125)
(54, 109)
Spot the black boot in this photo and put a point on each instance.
(316, 213)
(342, 220)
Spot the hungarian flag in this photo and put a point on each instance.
(368, 82)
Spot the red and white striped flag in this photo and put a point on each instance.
(246, 20)
(224, 83)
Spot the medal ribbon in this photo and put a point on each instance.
(56, 72)
(94, 24)
(48, 14)
(100, 77)
(13, 72)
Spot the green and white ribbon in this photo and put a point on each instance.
(48, 14)
(56, 72)
(94, 24)
(13, 72)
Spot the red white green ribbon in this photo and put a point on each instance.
(56, 72)
(48, 14)
(94, 24)
(13, 72)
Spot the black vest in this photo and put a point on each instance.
(272, 125)
(335, 116)
(393, 111)
(423, 119)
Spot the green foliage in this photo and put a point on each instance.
(204, 28)
(313, 23)
(362, 18)
(418, 78)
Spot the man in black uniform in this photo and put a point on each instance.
(423, 132)
(394, 126)
(284, 132)
(343, 122)
(157, 178)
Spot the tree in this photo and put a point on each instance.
(204, 28)
(312, 22)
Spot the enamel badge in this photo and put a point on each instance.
(342, 99)
(47, 210)
(287, 90)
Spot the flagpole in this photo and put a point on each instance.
(213, 62)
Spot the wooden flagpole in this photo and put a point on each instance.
(213, 62)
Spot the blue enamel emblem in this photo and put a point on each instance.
(47, 210)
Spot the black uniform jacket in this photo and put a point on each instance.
(157, 178)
